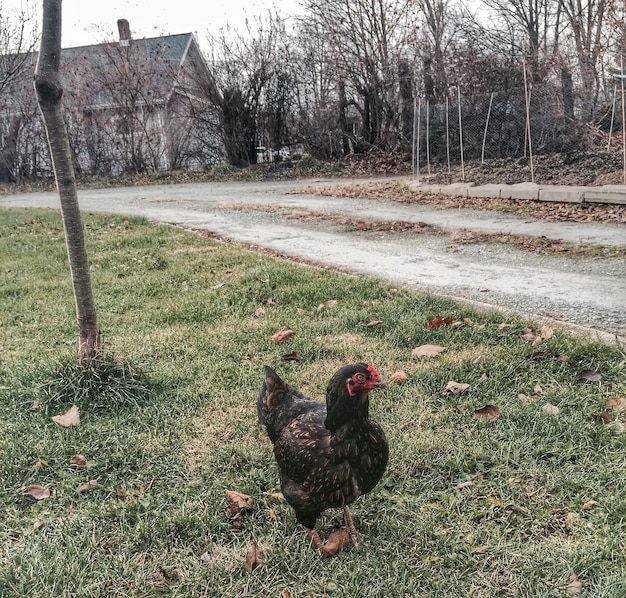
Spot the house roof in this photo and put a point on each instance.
(99, 75)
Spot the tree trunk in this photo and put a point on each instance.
(49, 93)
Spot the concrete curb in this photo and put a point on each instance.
(609, 194)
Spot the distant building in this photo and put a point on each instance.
(130, 106)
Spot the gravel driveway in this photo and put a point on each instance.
(587, 292)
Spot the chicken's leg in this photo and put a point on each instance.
(350, 525)
(315, 537)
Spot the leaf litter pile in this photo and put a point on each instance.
(507, 442)
(401, 193)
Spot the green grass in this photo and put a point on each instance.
(168, 426)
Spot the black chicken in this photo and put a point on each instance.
(327, 455)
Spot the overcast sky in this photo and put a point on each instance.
(88, 22)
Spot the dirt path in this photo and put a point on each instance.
(580, 290)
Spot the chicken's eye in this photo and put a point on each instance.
(359, 378)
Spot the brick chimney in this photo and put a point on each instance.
(123, 27)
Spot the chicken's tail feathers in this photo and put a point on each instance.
(271, 387)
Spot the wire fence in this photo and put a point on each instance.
(519, 122)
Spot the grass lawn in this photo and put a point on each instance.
(530, 504)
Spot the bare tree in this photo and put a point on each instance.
(586, 23)
(49, 94)
(366, 39)
(250, 87)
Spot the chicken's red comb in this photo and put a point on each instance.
(372, 370)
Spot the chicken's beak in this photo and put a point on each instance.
(378, 383)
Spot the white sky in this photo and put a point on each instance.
(87, 22)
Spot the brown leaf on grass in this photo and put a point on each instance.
(456, 387)
(87, 486)
(293, 356)
(575, 586)
(37, 492)
(526, 399)
(327, 304)
(589, 504)
(78, 461)
(616, 404)
(398, 376)
(337, 541)
(254, 557)
(462, 485)
(550, 409)
(36, 405)
(438, 321)
(539, 391)
(373, 323)
(488, 413)
(482, 289)
(590, 375)
(536, 339)
(68, 419)
(259, 312)
(239, 504)
(283, 335)
(285, 594)
(604, 416)
(427, 351)
(241, 501)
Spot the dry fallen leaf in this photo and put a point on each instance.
(68, 419)
(259, 312)
(539, 391)
(337, 541)
(590, 375)
(462, 485)
(241, 501)
(488, 413)
(551, 409)
(285, 594)
(373, 323)
(87, 486)
(589, 504)
(575, 586)
(427, 351)
(293, 356)
(438, 321)
(254, 557)
(78, 461)
(398, 376)
(526, 399)
(456, 387)
(616, 404)
(529, 334)
(329, 303)
(36, 405)
(37, 492)
(283, 335)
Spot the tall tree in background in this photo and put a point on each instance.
(366, 41)
(49, 94)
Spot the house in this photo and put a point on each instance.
(130, 106)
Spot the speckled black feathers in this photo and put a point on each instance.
(327, 455)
